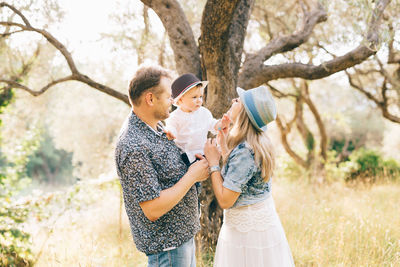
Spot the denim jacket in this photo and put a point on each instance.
(243, 175)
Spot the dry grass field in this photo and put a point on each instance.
(326, 225)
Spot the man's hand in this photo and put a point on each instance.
(199, 170)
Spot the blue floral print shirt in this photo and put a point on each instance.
(243, 175)
(147, 163)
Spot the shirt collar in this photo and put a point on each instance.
(160, 129)
(136, 120)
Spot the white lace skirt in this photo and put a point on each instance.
(252, 236)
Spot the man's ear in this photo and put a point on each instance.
(148, 98)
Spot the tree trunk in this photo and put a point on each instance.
(223, 30)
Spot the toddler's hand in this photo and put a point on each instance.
(170, 135)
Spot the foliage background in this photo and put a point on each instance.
(75, 127)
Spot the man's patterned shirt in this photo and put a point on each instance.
(147, 163)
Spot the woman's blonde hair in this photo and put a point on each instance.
(243, 130)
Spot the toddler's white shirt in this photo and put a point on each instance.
(191, 129)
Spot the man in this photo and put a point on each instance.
(160, 198)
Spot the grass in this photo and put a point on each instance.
(339, 226)
(90, 237)
(325, 225)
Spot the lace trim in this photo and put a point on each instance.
(257, 217)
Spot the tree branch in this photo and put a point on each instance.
(281, 44)
(51, 39)
(361, 89)
(15, 84)
(284, 132)
(162, 50)
(103, 88)
(256, 73)
(302, 127)
(144, 37)
(393, 57)
(385, 74)
(237, 32)
(80, 78)
(382, 105)
(180, 34)
(6, 34)
(16, 11)
(277, 93)
(76, 75)
(318, 119)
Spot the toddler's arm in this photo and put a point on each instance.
(171, 127)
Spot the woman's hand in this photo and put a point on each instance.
(225, 122)
(221, 140)
(211, 152)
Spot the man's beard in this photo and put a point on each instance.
(161, 115)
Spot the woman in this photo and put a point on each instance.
(251, 234)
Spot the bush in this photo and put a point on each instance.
(6, 97)
(288, 169)
(14, 242)
(341, 148)
(47, 164)
(369, 166)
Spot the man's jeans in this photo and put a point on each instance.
(183, 256)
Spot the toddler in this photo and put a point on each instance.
(190, 123)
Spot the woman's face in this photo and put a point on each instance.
(236, 106)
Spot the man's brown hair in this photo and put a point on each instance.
(146, 79)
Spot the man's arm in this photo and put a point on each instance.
(155, 208)
(141, 180)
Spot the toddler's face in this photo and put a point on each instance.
(191, 100)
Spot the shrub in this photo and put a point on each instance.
(47, 164)
(369, 166)
(288, 169)
(341, 148)
(14, 243)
